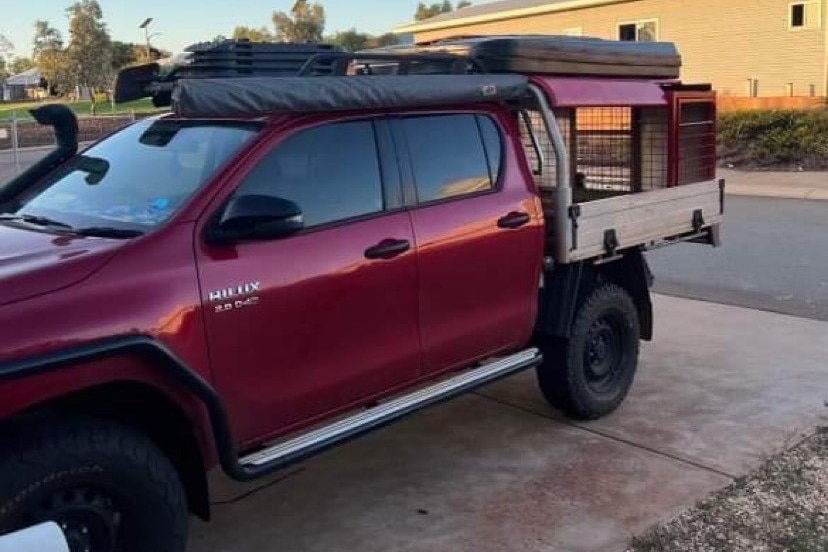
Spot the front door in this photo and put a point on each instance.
(319, 320)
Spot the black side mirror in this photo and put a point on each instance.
(256, 217)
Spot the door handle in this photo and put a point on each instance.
(388, 249)
(514, 220)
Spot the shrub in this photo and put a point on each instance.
(774, 139)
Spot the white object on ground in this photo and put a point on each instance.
(46, 537)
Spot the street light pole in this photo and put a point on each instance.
(145, 25)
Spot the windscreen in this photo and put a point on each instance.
(135, 179)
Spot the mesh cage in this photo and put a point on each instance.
(612, 150)
(696, 142)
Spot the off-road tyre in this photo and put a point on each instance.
(108, 486)
(589, 374)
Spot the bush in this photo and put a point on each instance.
(774, 139)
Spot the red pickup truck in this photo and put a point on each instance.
(283, 263)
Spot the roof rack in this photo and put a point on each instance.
(376, 62)
(235, 59)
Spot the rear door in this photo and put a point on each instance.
(312, 323)
(479, 236)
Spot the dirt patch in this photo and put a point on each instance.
(781, 507)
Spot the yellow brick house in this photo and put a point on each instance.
(762, 48)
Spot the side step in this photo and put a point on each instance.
(307, 444)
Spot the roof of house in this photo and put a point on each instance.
(26, 78)
(496, 11)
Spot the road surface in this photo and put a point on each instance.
(775, 257)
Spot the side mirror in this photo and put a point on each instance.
(256, 217)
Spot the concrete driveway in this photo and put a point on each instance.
(719, 390)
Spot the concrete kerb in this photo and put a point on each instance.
(776, 184)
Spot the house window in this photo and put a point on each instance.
(639, 31)
(805, 15)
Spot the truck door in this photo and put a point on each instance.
(302, 326)
(479, 237)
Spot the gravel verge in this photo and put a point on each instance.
(781, 507)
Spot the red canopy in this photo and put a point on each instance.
(601, 92)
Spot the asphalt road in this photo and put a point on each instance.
(775, 257)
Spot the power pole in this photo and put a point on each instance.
(145, 25)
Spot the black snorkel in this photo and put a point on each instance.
(65, 124)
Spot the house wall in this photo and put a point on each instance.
(726, 42)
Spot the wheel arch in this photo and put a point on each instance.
(147, 409)
(566, 287)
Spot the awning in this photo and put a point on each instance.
(602, 92)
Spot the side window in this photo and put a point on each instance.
(449, 156)
(332, 172)
(493, 144)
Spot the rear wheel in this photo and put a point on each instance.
(107, 486)
(589, 374)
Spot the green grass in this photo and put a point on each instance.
(83, 108)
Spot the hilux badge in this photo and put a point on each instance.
(236, 297)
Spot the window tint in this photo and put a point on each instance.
(448, 156)
(493, 144)
(332, 172)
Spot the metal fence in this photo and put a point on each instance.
(19, 135)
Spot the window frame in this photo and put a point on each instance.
(573, 31)
(406, 160)
(391, 181)
(805, 4)
(638, 23)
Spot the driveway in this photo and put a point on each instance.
(719, 390)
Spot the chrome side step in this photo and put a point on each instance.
(307, 444)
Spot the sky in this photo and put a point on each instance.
(183, 22)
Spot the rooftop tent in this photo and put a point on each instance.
(561, 55)
(262, 95)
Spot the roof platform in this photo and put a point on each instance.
(557, 55)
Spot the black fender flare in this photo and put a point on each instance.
(566, 286)
(159, 356)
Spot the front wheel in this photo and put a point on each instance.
(589, 374)
(107, 486)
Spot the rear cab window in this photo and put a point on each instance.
(452, 156)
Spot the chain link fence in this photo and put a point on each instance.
(18, 135)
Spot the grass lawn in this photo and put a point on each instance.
(20, 110)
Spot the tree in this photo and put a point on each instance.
(351, 40)
(425, 11)
(46, 38)
(304, 23)
(50, 57)
(89, 52)
(127, 53)
(262, 34)
(20, 64)
(6, 52)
